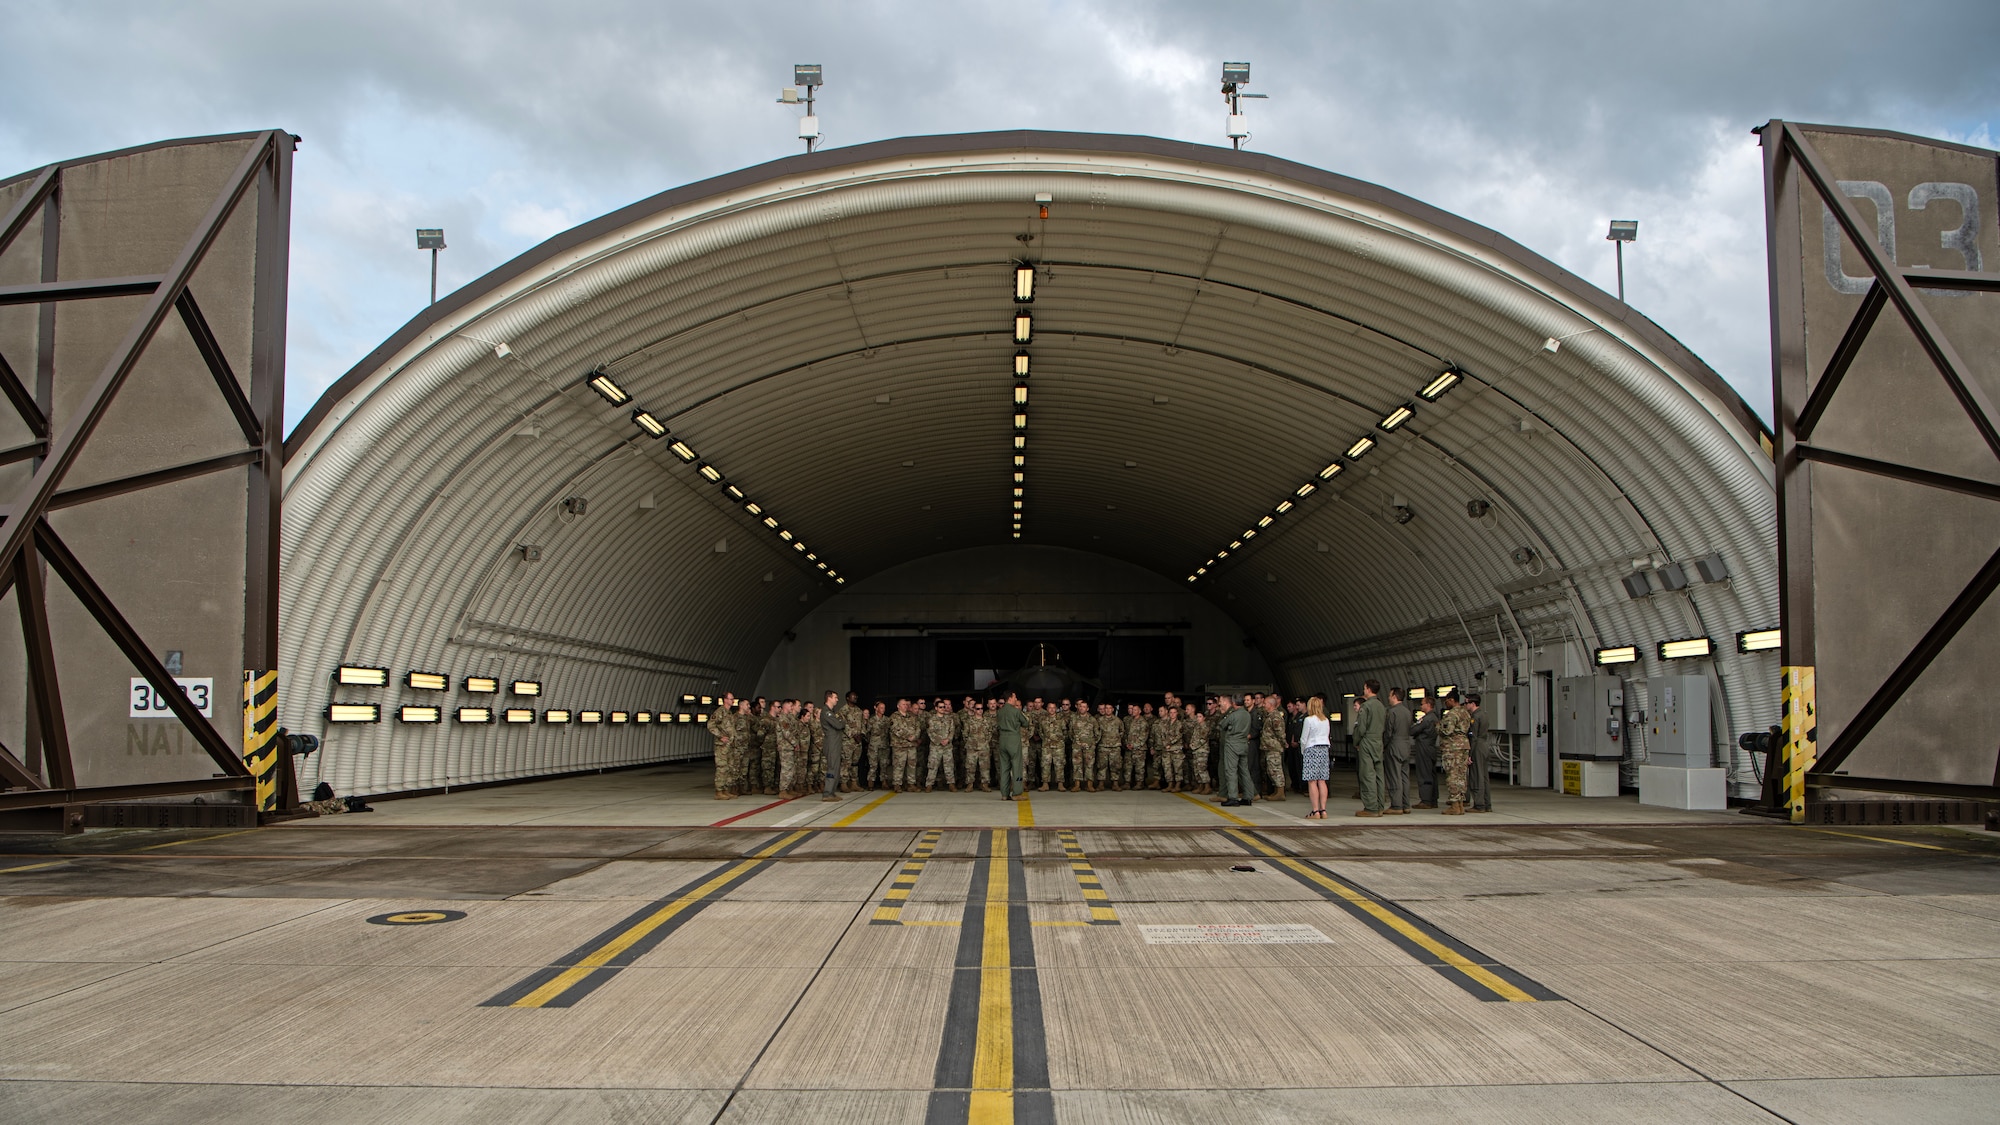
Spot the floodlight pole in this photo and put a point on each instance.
(434, 275)
(1619, 243)
(809, 113)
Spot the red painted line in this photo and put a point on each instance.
(752, 812)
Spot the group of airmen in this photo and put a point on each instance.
(1395, 744)
(781, 748)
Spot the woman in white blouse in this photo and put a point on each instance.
(1314, 743)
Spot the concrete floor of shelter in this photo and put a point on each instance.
(597, 949)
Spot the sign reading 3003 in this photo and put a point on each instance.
(150, 704)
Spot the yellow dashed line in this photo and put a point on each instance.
(864, 810)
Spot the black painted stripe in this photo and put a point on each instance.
(1401, 941)
(638, 949)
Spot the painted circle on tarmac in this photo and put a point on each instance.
(416, 917)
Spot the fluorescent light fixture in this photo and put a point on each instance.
(519, 714)
(753, 507)
(1021, 393)
(1020, 462)
(1331, 471)
(1360, 446)
(1020, 478)
(840, 581)
(1018, 493)
(1249, 533)
(354, 713)
(1265, 522)
(427, 681)
(1021, 366)
(706, 701)
(648, 423)
(709, 471)
(683, 717)
(1396, 418)
(681, 450)
(620, 717)
(475, 714)
(1417, 692)
(822, 565)
(1284, 506)
(1020, 441)
(1191, 578)
(1622, 654)
(1759, 640)
(1689, 648)
(810, 557)
(643, 717)
(1305, 490)
(590, 716)
(771, 522)
(354, 675)
(702, 718)
(556, 717)
(1024, 283)
(1446, 689)
(1435, 389)
(687, 699)
(1017, 535)
(1024, 328)
(482, 685)
(1235, 544)
(785, 535)
(798, 546)
(420, 714)
(1020, 421)
(1201, 570)
(1220, 555)
(1017, 505)
(734, 492)
(604, 385)
(527, 687)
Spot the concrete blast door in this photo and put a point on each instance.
(1313, 429)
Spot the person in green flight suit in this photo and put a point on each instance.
(1369, 727)
(1007, 763)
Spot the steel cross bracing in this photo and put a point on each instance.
(27, 541)
(1788, 153)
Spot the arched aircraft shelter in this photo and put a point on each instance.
(833, 337)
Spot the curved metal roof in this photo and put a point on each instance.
(833, 333)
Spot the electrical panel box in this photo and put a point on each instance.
(1494, 704)
(1589, 718)
(1677, 722)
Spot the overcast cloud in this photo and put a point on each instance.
(506, 122)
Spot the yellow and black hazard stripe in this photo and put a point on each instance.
(890, 911)
(575, 976)
(260, 735)
(1477, 973)
(1101, 911)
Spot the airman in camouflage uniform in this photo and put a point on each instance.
(851, 735)
(722, 727)
(1272, 740)
(1455, 748)
(1194, 731)
(1167, 748)
(878, 747)
(793, 746)
(815, 740)
(1110, 748)
(762, 770)
(1082, 749)
(1138, 736)
(1053, 724)
(905, 727)
(978, 739)
(942, 730)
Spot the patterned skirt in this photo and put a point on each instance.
(1315, 768)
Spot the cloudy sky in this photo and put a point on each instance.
(505, 122)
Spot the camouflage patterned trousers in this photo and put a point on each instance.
(1135, 767)
(878, 762)
(1171, 764)
(903, 770)
(1083, 765)
(979, 767)
(850, 760)
(1274, 767)
(726, 766)
(791, 768)
(1053, 759)
(1111, 767)
(1197, 766)
(1456, 760)
(940, 760)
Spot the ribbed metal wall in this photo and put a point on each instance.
(834, 336)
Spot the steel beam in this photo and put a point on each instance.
(23, 400)
(70, 497)
(17, 216)
(1966, 485)
(35, 799)
(45, 695)
(1842, 359)
(218, 366)
(43, 292)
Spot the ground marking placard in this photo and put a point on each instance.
(1232, 933)
(146, 703)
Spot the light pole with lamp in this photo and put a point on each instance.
(1622, 232)
(432, 239)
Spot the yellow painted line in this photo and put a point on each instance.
(646, 925)
(929, 923)
(864, 810)
(34, 866)
(1024, 811)
(196, 840)
(1886, 840)
(1224, 814)
(993, 1048)
(1390, 918)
